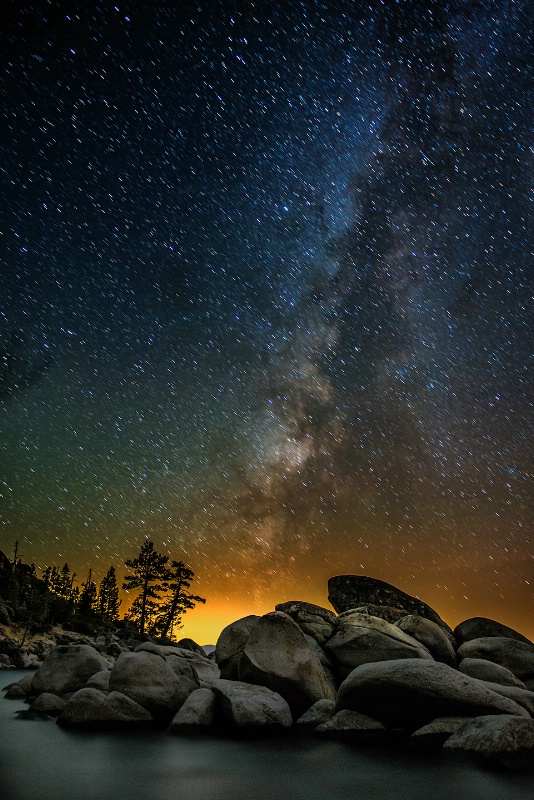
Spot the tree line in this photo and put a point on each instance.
(161, 589)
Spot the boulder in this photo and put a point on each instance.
(481, 627)
(231, 644)
(319, 712)
(67, 668)
(196, 715)
(181, 666)
(48, 703)
(91, 707)
(516, 656)
(247, 708)
(436, 733)
(519, 695)
(352, 726)
(192, 646)
(489, 671)
(25, 684)
(100, 680)
(431, 635)
(313, 620)
(278, 656)
(149, 647)
(15, 692)
(505, 739)
(361, 639)
(148, 680)
(387, 613)
(203, 668)
(410, 693)
(346, 592)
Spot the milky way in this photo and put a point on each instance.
(266, 296)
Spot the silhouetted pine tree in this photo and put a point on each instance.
(151, 576)
(178, 601)
(108, 602)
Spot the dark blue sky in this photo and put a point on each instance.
(266, 294)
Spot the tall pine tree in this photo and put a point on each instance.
(178, 601)
(108, 602)
(150, 575)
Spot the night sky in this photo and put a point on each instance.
(266, 291)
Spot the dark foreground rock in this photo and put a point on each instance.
(504, 739)
(409, 693)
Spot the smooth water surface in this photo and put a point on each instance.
(39, 760)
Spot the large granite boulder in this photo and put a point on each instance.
(313, 620)
(67, 669)
(230, 645)
(196, 715)
(410, 693)
(431, 635)
(148, 680)
(489, 671)
(91, 707)
(505, 739)
(516, 656)
(278, 656)
(247, 708)
(361, 639)
(347, 592)
(480, 627)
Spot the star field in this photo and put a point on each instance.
(266, 296)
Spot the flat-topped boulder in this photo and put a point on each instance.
(346, 592)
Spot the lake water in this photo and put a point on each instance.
(39, 760)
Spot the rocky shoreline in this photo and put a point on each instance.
(385, 668)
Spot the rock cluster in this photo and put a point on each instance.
(396, 674)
